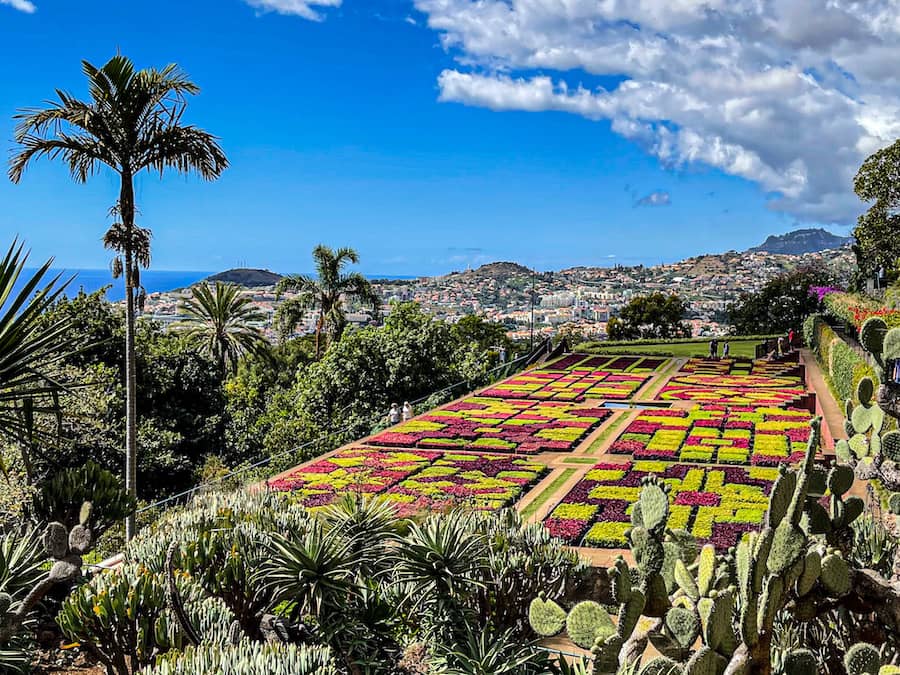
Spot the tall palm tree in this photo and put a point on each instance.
(218, 321)
(132, 122)
(325, 293)
(31, 350)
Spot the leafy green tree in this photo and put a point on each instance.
(181, 400)
(877, 231)
(487, 335)
(132, 122)
(326, 294)
(219, 322)
(780, 305)
(656, 315)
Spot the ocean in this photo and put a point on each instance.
(154, 281)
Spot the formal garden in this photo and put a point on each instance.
(203, 500)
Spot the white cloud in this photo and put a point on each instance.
(790, 94)
(303, 8)
(655, 198)
(21, 5)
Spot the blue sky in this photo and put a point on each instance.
(347, 131)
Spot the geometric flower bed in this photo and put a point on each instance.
(739, 396)
(761, 367)
(736, 381)
(576, 377)
(415, 480)
(495, 425)
(761, 436)
(716, 505)
(569, 385)
(613, 364)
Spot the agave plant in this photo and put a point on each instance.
(30, 350)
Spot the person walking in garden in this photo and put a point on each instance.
(407, 411)
(725, 350)
(713, 349)
(394, 414)
(780, 351)
(790, 340)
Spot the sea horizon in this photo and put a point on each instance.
(154, 281)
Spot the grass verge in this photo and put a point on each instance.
(542, 498)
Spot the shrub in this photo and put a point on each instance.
(247, 658)
(122, 616)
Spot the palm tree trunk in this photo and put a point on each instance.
(126, 206)
(320, 322)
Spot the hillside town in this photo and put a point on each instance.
(580, 299)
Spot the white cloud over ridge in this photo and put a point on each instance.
(21, 5)
(301, 8)
(790, 94)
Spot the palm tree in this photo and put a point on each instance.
(219, 323)
(31, 349)
(132, 122)
(326, 293)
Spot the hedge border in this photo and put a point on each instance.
(842, 365)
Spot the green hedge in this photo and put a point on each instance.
(602, 344)
(842, 365)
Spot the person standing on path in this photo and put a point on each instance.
(725, 350)
(394, 415)
(790, 340)
(407, 411)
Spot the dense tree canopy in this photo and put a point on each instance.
(878, 230)
(656, 315)
(780, 305)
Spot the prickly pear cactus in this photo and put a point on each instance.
(884, 346)
(862, 659)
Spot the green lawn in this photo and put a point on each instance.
(738, 347)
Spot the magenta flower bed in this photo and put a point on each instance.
(491, 424)
(716, 504)
(415, 481)
(763, 436)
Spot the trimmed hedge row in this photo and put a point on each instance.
(842, 365)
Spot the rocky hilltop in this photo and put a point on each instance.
(250, 278)
(798, 242)
(495, 270)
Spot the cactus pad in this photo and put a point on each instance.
(853, 509)
(587, 623)
(859, 445)
(862, 418)
(684, 625)
(861, 659)
(842, 451)
(788, 547)
(890, 445)
(705, 662)
(661, 665)
(654, 506)
(840, 479)
(56, 540)
(812, 568)
(782, 493)
(835, 575)
(865, 389)
(891, 349)
(894, 503)
(872, 334)
(800, 662)
(706, 569)
(546, 617)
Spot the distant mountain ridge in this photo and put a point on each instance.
(250, 278)
(810, 240)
